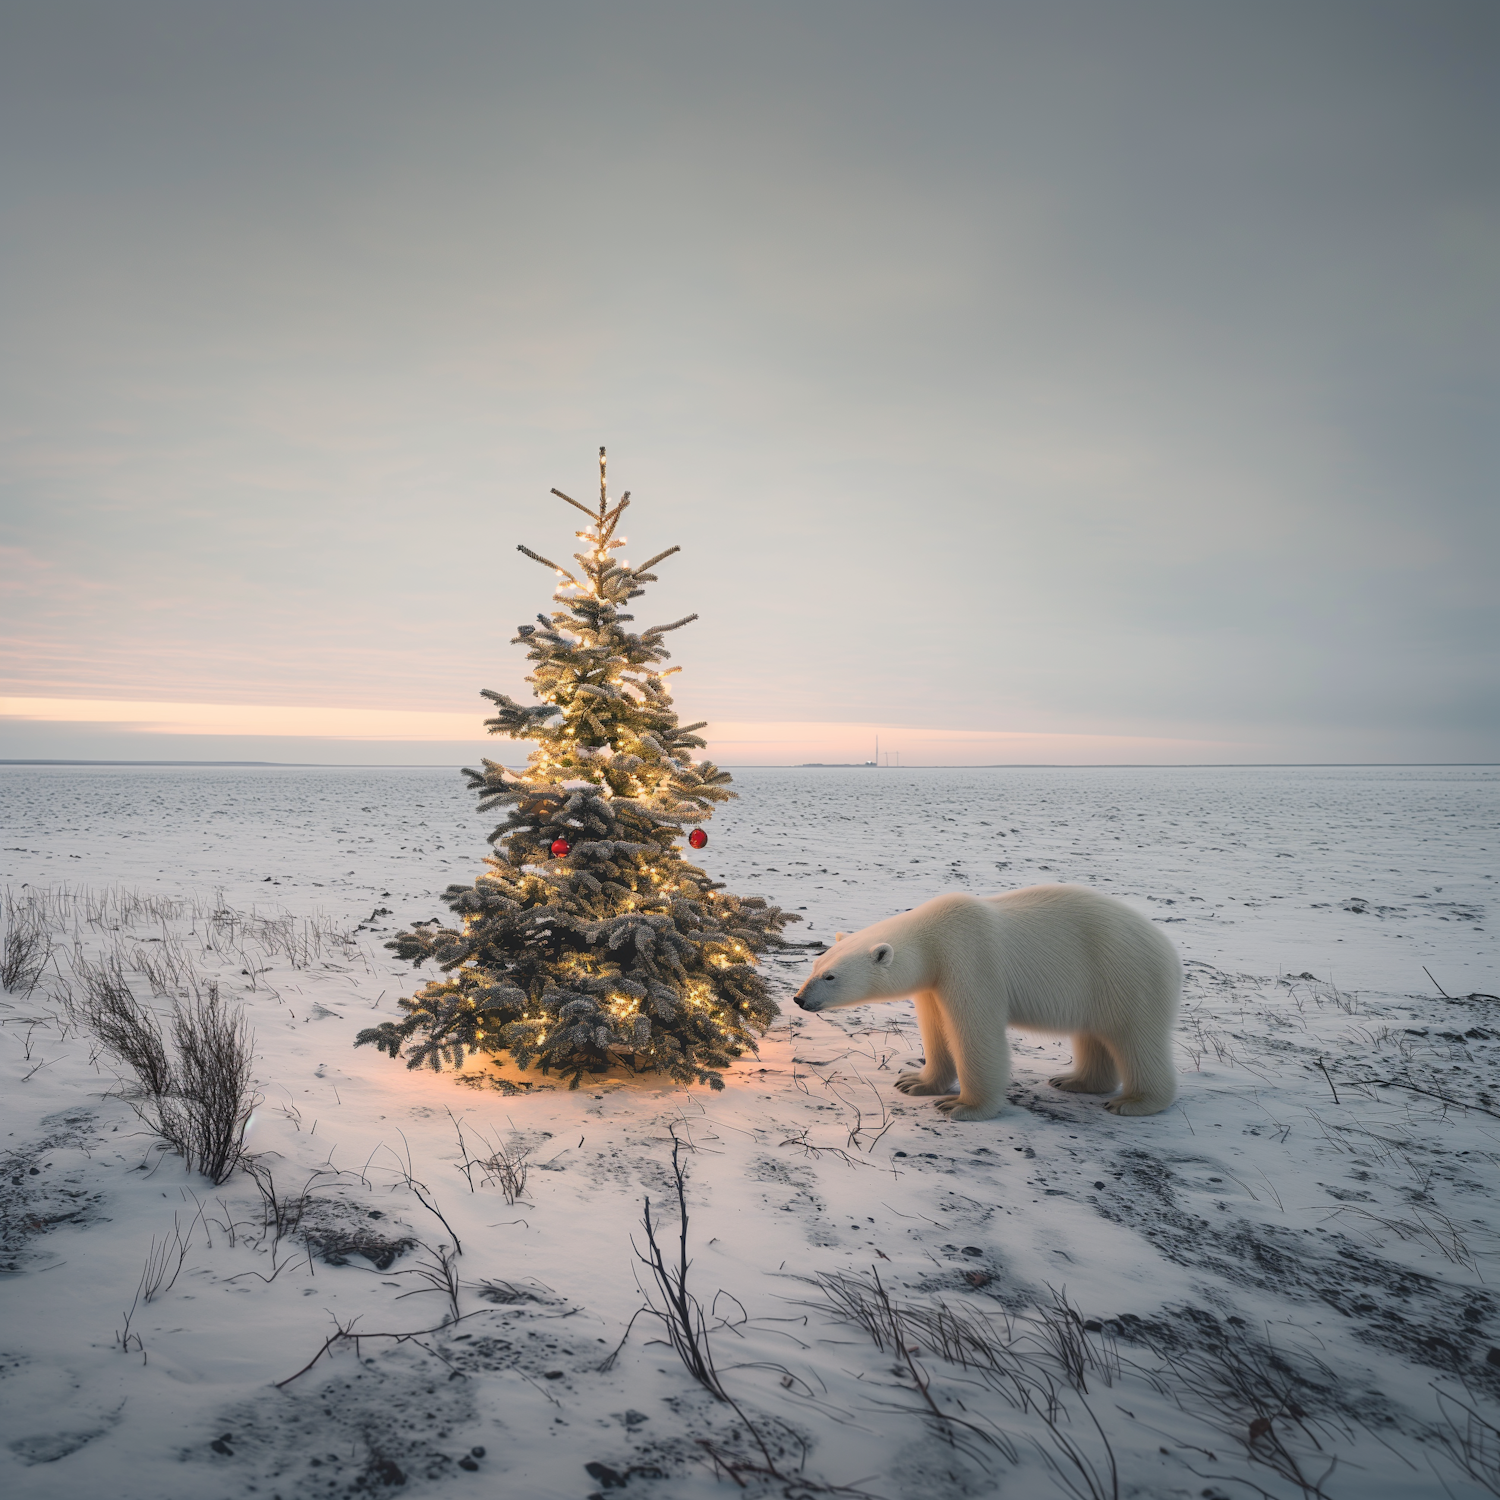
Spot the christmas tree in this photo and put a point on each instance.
(589, 940)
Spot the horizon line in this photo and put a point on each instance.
(1040, 765)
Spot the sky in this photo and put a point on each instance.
(1024, 382)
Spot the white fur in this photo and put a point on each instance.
(1050, 958)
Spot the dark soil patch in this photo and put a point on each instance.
(336, 1232)
(369, 1429)
(1402, 1311)
(42, 1184)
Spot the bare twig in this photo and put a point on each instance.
(808, 1149)
(281, 1216)
(508, 1165)
(423, 1193)
(1060, 1328)
(164, 1261)
(681, 1315)
(1324, 1072)
(1073, 1469)
(467, 1163)
(346, 1333)
(441, 1275)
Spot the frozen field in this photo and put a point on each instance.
(1282, 1286)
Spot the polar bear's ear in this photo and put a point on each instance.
(839, 937)
(882, 953)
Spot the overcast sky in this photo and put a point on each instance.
(1114, 377)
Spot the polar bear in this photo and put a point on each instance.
(1048, 957)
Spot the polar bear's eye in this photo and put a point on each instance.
(830, 976)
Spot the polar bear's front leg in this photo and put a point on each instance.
(976, 1027)
(940, 1075)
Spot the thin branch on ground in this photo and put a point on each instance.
(441, 1275)
(681, 1316)
(467, 1163)
(1073, 1469)
(277, 1267)
(421, 1192)
(347, 1333)
(281, 1215)
(808, 1149)
(509, 1165)
(1060, 1328)
(1324, 1071)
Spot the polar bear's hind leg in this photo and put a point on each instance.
(1093, 1068)
(1148, 1079)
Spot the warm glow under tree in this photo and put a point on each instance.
(589, 940)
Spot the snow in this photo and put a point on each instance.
(1348, 1224)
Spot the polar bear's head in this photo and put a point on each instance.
(856, 969)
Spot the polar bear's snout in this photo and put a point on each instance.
(806, 997)
(861, 975)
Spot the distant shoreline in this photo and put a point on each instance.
(300, 764)
(813, 765)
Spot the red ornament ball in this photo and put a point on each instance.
(697, 838)
(561, 848)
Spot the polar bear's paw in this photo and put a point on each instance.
(1081, 1083)
(914, 1083)
(1135, 1104)
(958, 1109)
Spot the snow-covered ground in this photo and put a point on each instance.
(1281, 1286)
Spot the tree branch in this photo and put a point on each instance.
(547, 562)
(636, 572)
(675, 625)
(573, 502)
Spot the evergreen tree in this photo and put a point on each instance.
(589, 939)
